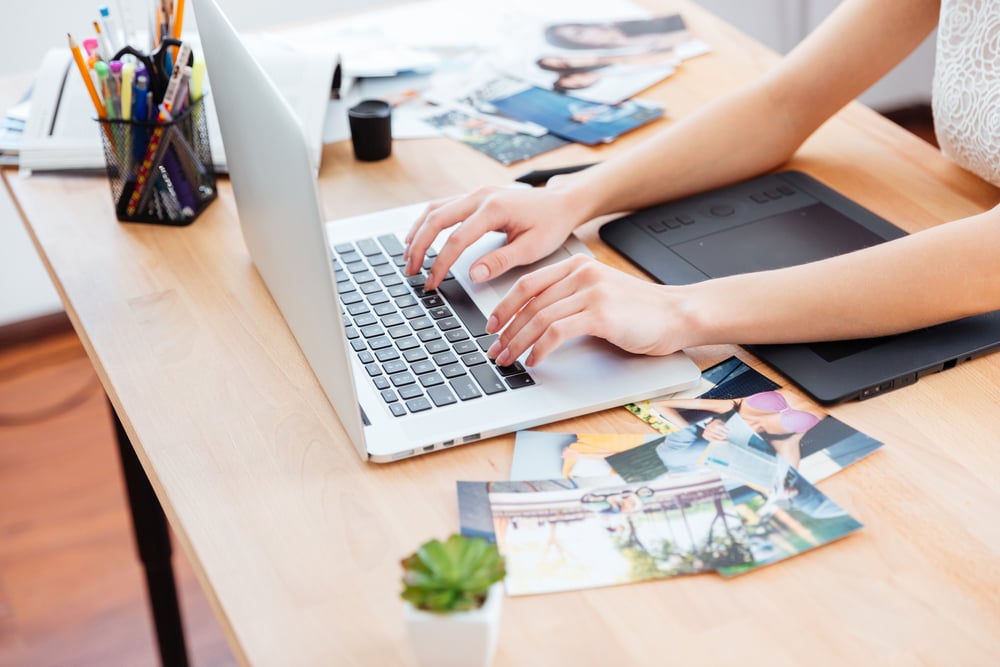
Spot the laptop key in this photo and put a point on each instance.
(464, 307)
(389, 396)
(366, 357)
(473, 359)
(379, 342)
(392, 319)
(519, 380)
(387, 354)
(391, 244)
(448, 323)
(441, 396)
(410, 391)
(445, 359)
(371, 331)
(397, 409)
(365, 320)
(350, 256)
(351, 332)
(343, 247)
(407, 343)
(433, 300)
(364, 277)
(429, 335)
(377, 298)
(513, 369)
(413, 312)
(394, 366)
(439, 312)
(436, 346)
(383, 270)
(381, 382)
(456, 335)
(466, 347)
(373, 369)
(368, 247)
(384, 309)
(358, 344)
(415, 355)
(350, 297)
(465, 388)
(420, 323)
(391, 281)
(453, 371)
(398, 291)
(487, 379)
(406, 301)
(356, 266)
(425, 366)
(431, 379)
(399, 331)
(370, 288)
(418, 404)
(486, 341)
(401, 379)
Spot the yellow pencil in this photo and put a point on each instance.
(178, 19)
(85, 73)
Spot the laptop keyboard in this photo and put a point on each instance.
(421, 350)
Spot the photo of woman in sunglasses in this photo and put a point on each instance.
(780, 418)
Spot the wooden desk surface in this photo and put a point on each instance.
(297, 542)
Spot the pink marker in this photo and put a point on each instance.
(90, 45)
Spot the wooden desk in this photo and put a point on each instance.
(297, 542)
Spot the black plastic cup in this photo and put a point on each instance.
(371, 129)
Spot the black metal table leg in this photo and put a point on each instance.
(153, 541)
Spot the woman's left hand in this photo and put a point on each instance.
(581, 296)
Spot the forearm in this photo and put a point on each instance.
(941, 274)
(757, 127)
(692, 155)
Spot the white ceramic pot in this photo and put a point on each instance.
(462, 639)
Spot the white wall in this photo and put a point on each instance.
(30, 27)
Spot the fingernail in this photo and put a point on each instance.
(504, 358)
(479, 273)
(494, 349)
(491, 325)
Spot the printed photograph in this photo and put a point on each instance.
(574, 118)
(545, 455)
(784, 513)
(503, 144)
(812, 441)
(605, 61)
(568, 539)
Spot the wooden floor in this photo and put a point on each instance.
(71, 588)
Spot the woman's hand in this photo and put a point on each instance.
(536, 222)
(580, 296)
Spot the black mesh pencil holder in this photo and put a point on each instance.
(160, 172)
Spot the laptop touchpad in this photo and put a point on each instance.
(487, 295)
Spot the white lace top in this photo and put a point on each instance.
(966, 93)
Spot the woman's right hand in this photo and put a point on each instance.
(536, 220)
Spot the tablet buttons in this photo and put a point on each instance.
(722, 210)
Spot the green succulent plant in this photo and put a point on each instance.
(456, 575)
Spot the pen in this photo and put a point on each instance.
(542, 176)
(110, 31)
(85, 73)
(104, 48)
(115, 84)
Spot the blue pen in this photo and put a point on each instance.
(140, 113)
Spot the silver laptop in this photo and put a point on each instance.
(404, 369)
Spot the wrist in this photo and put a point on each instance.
(578, 197)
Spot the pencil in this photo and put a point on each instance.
(178, 19)
(85, 73)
